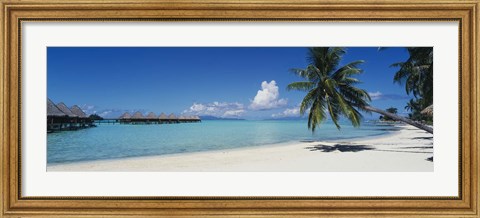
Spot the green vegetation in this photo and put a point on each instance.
(416, 73)
(389, 110)
(95, 117)
(331, 89)
(415, 106)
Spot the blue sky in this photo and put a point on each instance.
(244, 82)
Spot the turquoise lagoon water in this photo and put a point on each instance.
(107, 141)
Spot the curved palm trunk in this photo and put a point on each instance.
(399, 118)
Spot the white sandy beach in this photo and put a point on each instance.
(406, 150)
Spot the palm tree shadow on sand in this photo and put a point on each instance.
(340, 147)
(356, 148)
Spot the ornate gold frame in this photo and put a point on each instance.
(14, 12)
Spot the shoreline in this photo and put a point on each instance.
(278, 144)
(395, 151)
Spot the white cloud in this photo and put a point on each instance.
(105, 113)
(217, 109)
(197, 107)
(289, 112)
(267, 97)
(233, 113)
(381, 96)
(89, 109)
(375, 95)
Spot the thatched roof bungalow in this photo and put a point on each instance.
(78, 111)
(163, 116)
(138, 115)
(151, 115)
(53, 110)
(60, 117)
(125, 115)
(172, 116)
(66, 110)
(428, 110)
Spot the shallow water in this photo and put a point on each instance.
(109, 141)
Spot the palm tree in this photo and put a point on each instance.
(416, 106)
(417, 74)
(331, 89)
(392, 110)
(411, 105)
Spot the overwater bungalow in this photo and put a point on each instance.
(53, 110)
(163, 118)
(55, 117)
(66, 110)
(125, 118)
(125, 115)
(137, 115)
(74, 121)
(151, 118)
(137, 118)
(78, 111)
(172, 118)
(60, 117)
(83, 118)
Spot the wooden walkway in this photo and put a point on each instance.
(56, 124)
(141, 121)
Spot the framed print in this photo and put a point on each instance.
(239, 109)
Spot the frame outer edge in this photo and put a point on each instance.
(4, 110)
(476, 105)
(12, 106)
(6, 113)
(237, 2)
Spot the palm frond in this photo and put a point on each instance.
(301, 86)
(333, 111)
(349, 69)
(316, 115)
(308, 101)
(416, 73)
(330, 88)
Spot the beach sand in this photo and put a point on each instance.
(405, 150)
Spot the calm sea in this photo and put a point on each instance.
(107, 141)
